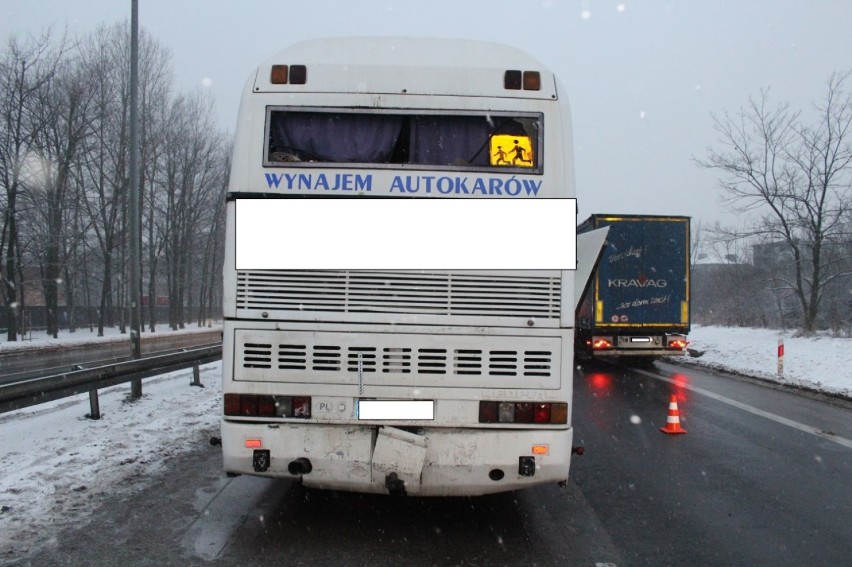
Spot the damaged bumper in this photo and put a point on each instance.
(390, 460)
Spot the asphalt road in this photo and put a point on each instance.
(763, 475)
(761, 478)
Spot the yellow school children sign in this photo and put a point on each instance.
(513, 151)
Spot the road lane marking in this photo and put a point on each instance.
(751, 409)
(222, 516)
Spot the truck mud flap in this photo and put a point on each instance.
(398, 458)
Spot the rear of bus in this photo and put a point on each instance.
(361, 351)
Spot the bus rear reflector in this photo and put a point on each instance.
(550, 413)
(540, 449)
(251, 405)
(254, 443)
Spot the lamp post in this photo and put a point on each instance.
(135, 229)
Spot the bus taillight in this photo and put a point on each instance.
(251, 405)
(541, 413)
(232, 404)
(552, 413)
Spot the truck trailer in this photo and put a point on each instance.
(636, 303)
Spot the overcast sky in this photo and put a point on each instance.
(642, 76)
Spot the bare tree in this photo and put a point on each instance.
(214, 240)
(63, 123)
(795, 179)
(24, 70)
(63, 171)
(155, 99)
(192, 171)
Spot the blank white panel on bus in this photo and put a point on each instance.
(405, 234)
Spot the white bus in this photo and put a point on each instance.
(361, 351)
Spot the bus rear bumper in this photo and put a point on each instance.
(389, 460)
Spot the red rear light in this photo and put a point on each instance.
(488, 412)
(541, 413)
(601, 343)
(232, 404)
(266, 406)
(550, 413)
(523, 412)
(248, 406)
(252, 405)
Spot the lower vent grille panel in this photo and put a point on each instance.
(344, 358)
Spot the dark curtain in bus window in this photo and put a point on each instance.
(449, 140)
(315, 136)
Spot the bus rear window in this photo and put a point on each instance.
(323, 137)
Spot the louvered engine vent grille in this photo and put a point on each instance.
(397, 360)
(400, 293)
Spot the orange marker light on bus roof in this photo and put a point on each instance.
(532, 81)
(298, 74)
(279, 75)
(512, 80)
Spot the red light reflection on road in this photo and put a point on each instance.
(681, 386)
(600, 381)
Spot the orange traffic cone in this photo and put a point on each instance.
(673, 420)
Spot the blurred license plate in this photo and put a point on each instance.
(396, 409)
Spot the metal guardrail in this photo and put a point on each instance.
(34, 391)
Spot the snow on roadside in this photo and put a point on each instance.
(55, 463)
(820, 363)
